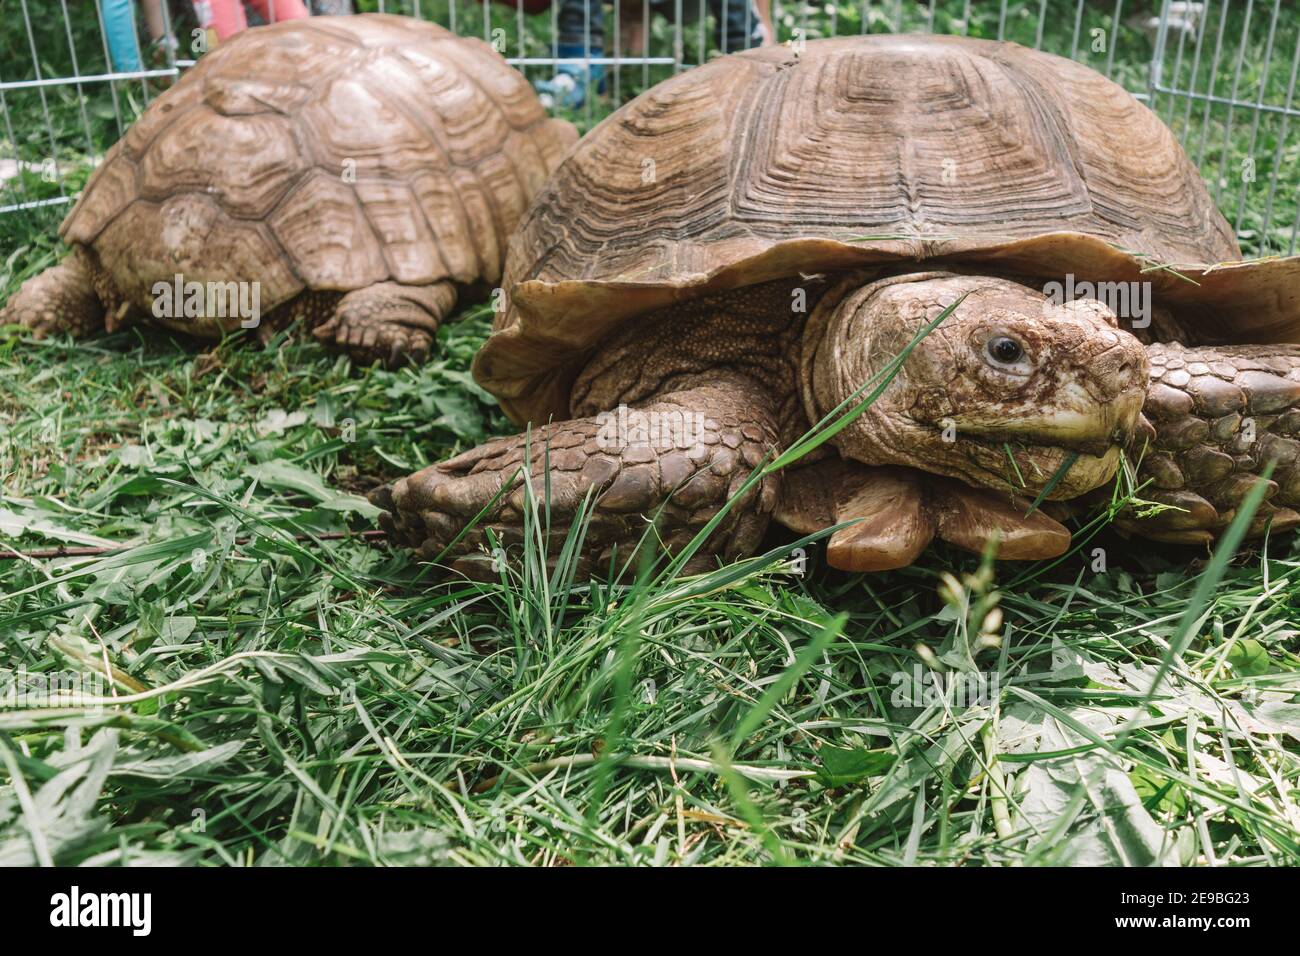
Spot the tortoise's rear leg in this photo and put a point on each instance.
(680, 455)
(388, 321)
(60, 299)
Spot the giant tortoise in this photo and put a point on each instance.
(748, 247)
(360, 174)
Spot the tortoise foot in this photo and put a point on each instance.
(60, 299)
(891, 514)
(625, 493)
(388, 322)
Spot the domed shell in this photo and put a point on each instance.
(855, 151)
(328, 153)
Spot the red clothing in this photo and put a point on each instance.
(227, 16)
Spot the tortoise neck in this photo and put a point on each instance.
(838, 358)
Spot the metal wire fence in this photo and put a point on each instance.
(1221, 73)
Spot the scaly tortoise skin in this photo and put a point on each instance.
(1220, 415)
(874, 181)
(365, 171)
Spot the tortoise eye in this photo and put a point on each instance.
(1005, 350)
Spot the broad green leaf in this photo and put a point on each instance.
(841, 766)
(285, 475)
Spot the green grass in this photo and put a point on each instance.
(326, 701)
(286, 695)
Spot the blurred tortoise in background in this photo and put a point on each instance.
(746, 247)
(360, 174)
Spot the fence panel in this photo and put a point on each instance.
(1221, 73)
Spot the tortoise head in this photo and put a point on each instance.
(1000, 393)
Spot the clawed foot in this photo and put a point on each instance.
(577, 475)
(60, 299)
(896, 512)
(389, 343)
(902, 514)
(389, 323)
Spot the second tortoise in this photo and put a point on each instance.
(360, 175)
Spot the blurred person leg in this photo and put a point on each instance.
(119, 31)
(162, 43)
(275, 11)
(632, 25)
(740, 24)
(581, 25)
(154, 20)
(764, 10)
(226, 18)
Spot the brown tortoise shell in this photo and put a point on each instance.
(856, 152)
(324, 154)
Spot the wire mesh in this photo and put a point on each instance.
(1221, 73)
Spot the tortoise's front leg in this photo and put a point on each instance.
(60, 299)
(1220, 415)
(681, 455)
(892, 514)
(388, 321)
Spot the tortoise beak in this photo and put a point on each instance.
(1096, 447)
(1119, 423)
(1077, 423)
(1132, 430)
(1143, 433)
